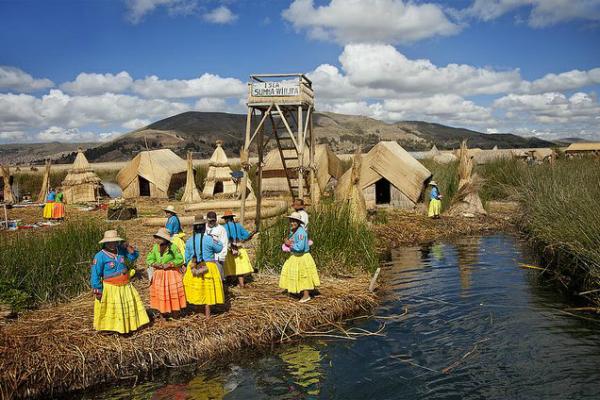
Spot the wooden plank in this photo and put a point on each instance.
(260, 124)
(287, 126)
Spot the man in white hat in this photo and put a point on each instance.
(219, 233)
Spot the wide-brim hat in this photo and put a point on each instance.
(199, 220)
(163, 233)
(432, 183)
(170, 209)
(228, 213)
(111, 237)
(297, 216)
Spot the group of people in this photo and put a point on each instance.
(54, 208)
(191, 272)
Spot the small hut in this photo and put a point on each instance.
(156, 174)
(581, 149)
(218, 178)
(327, 167)
(81, 185)
(389, 176)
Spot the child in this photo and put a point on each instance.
(299, 273)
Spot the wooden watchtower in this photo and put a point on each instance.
(280, 109)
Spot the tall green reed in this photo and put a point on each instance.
(48, 265)
(341, 247)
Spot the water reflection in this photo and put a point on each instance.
(478, 327)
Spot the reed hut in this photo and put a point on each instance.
(389, 175)
(155, 174)
(218, 178)
(581, 149)
(81, 185)
(328, 167)
(6, 181)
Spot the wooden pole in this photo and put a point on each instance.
(243, 155)
(301, 143)
(314, 189)
(260, 149)
(374, 280)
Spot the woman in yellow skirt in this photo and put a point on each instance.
(202, 280)
(299, 273)
(49, 205)
(166, 289)
(118, 306)
(237, 262)
(435, 201)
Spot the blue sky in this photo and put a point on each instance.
(90, 70)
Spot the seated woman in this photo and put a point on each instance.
(299, 273)
(237, 262)
(166, 288)
(202, 281)
(118, 306)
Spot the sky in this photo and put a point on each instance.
(90, 70)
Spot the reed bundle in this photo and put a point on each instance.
(229, 204)
(466, 200)
(54, 350)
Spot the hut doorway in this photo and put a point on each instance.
(383, 194)
(144, 187)
(218, 187)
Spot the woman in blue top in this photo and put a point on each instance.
(49, 205)
(237, 262)
(118, 306)
(173, 226)
(435, 201)
(202, 281)
(299, 273)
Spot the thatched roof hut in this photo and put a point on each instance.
(218, 178)
(81, 184)
(155, 173)
(583, 148)
(389, 175)
(327, 167)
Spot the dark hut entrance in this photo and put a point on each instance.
(144, 187)
(383, 193)
(218, 187)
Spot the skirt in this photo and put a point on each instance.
(435, 207)
(166, 292)
(207, 289)
(58, 211)
(299, 273)
(48, 208)
(120, 310)
(238, 265)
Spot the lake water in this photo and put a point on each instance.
(477, 327)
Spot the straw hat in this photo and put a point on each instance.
(432, 183)
(296, 215)
(228, 213)
(170, 209)
(163, 234)
(199, 220)
(110, 236)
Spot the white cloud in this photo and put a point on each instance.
(207, 85)
(59, 134)
(92, 83)
(384, 67)
(136, 123)
(220, 15)
(389, 21)
(574, 79)
(12, 136)
(137, 9)
(15, 79)
(542, 12)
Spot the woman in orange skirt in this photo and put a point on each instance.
(166, 289)
(58, 211)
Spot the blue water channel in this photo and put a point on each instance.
(462, 321)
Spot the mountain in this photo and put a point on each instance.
(198, 132)
(24, 153)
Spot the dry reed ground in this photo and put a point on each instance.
(55, 349)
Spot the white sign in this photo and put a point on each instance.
(275, 89)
